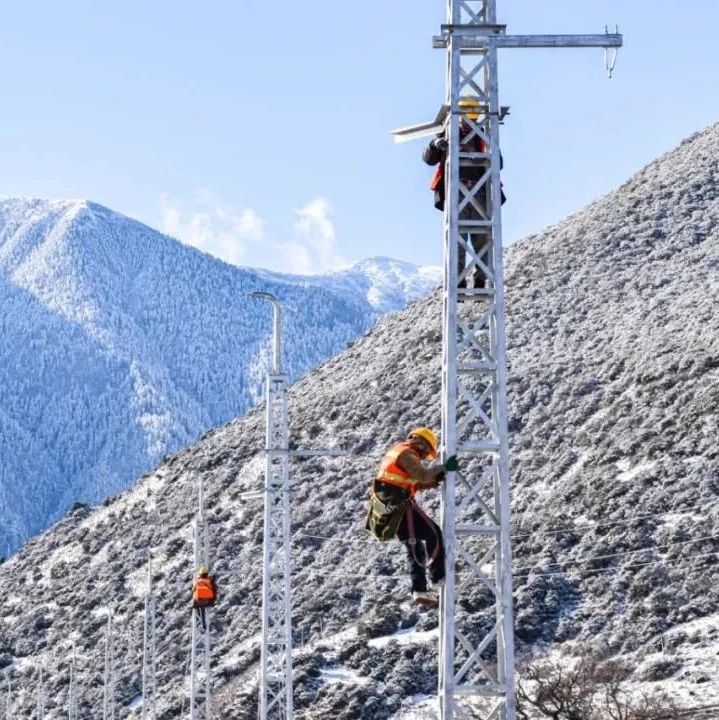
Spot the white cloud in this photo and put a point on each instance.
(212, 226)
(239, 236)
(316, 240)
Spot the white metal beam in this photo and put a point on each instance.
(481, 41)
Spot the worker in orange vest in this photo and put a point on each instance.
(394, 512)
(204, 593)
(471, 172)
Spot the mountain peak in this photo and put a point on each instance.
(124, 344)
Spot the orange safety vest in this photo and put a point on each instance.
(203, 591)
(392, 474)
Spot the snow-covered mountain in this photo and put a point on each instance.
(613, 331)
(120, 345)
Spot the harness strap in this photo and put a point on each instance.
(412, 539)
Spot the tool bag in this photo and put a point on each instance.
(383, 519)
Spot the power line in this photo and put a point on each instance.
(543, 533)
(589, 571)
(632, 552)
(594, 558)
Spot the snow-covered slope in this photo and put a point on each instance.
(613, 326)
(120, 345)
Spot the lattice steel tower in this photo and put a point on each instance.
(200, 678)
(275, 702)
(476, 673)
(149, 652)
(40, 697)
(72, 689)
(108, 697)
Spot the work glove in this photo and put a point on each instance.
(451, 464)
(441, 144)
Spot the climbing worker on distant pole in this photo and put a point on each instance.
(393, 511)
(204, 593)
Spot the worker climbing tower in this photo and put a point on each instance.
(200, 678)
(275, 700)
(149, 665)
(476, 673)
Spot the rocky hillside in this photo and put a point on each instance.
(614, 367)
(121, 345)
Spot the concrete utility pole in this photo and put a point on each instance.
(108, 699)
(275, 702)
(200, 678)
(149, 666)
(476, 673)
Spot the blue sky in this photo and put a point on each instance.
(258, 131)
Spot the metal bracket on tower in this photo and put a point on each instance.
(200, 677)
(275, 701)
(149, 653)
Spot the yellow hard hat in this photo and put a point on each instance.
(203, 571)
(470, 107)
(429, 436)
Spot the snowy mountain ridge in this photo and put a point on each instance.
(121, 345)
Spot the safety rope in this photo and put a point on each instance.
(412, 537)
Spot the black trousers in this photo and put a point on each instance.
(200, 609)
(428, 542)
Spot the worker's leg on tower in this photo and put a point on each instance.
(481, 249)
(416, 555)
(430, 533)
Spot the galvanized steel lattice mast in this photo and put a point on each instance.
(8, 700)
(275, 701)
(476, 673)
(200, 678)
(108, 698)
(40, 697)
(149, 665)
(72, 689)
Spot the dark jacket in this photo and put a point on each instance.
(469, 174)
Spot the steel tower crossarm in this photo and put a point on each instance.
(476, 659)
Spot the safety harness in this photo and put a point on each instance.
(384, 518)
